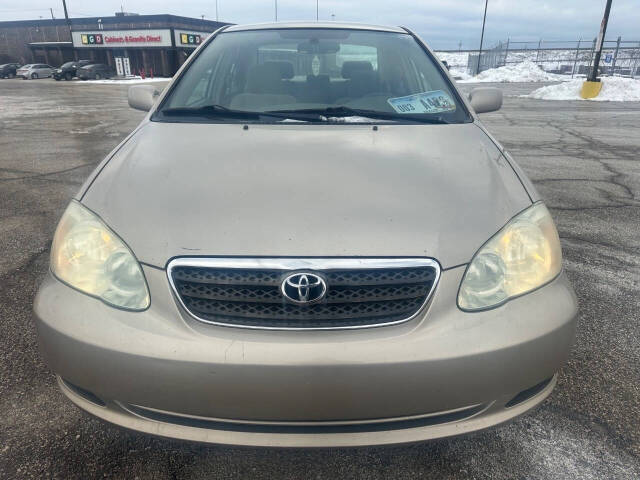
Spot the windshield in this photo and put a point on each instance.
(336, 72)
(67, 65)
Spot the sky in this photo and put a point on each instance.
(443, 24)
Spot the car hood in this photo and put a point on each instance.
(178, 189)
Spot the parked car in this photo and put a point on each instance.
(34, 71)
(310, 240)
(69, 70)
(95, 71)
(8, 70)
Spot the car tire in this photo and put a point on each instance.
(34, 76)
(57, 79)
(12, 75)
(98, 76)
(68, 77)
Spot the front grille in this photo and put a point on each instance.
(248, 293)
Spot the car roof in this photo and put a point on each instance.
(332, 25)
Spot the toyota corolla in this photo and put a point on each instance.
(310, 240)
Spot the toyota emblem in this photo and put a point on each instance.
(304, 288)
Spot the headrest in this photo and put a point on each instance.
(349, 68)
(285, 68)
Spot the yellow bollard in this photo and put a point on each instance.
(590, 89)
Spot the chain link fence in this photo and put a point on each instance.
(619, 57)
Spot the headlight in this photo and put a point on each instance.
(88, 256)
(521, 257)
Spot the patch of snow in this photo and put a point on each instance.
(614, 89)
(350, 119)
(355, 119)
(126, 81)
(526, 71)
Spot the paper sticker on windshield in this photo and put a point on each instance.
(435, 101)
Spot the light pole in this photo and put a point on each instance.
(317, 17)
(592, 86)
(603, 29)
(216, 10)
(66, 17)
(276, 10)
(484, 19)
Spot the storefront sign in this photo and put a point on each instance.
(188, 38)
(122, 38)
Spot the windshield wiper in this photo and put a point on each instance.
(344, 111)
(222, 111)
(208, 111)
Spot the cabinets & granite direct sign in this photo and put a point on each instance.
(123, 38)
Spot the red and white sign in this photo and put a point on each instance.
(122, 38)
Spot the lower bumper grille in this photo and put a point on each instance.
(377, 425)
(250, 292)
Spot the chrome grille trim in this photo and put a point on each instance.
(322, 265)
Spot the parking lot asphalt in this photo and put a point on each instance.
(582, 156)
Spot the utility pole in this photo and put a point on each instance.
(66, 17)
(52, 17)
(484, 19)
(603, 29)
(317, 17)
(216, 10)
(276, 10)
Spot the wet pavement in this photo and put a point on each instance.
(583, 157)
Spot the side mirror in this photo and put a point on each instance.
(486, 99)
(142, 97)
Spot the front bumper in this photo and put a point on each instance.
(162, 372)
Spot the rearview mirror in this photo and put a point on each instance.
(486, 99)
(142, 97)
(319, 46)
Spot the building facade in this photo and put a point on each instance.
(153, 44)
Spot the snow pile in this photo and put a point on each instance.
(526, 71)
(460, 74)
(458, 59)
(127, 81)
(614, 89)
(457, 64)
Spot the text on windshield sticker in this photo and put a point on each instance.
(435, 101)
